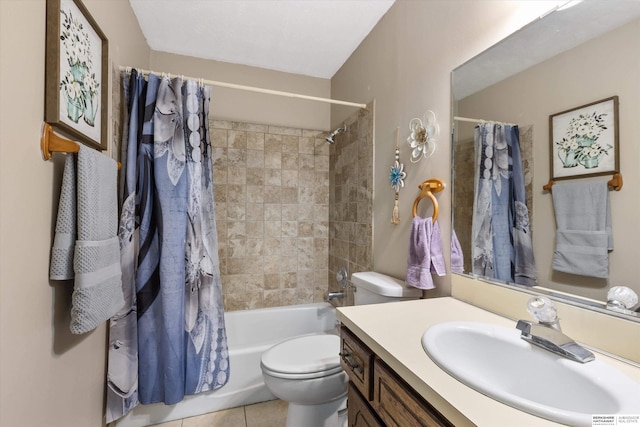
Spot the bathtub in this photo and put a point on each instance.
(249, 334)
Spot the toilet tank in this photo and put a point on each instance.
(375, 288)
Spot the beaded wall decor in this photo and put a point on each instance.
(396, 177)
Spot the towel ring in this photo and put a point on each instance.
(427, 188)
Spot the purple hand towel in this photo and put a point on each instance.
(425, 254)
(435, 250)
(457, 258)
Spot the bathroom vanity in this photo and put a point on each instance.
(377, 396)
(394, 382)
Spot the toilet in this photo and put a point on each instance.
(305, 371)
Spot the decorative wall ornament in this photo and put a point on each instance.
(396, 177)
(423, 136)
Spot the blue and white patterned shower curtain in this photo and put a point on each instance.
(501, 238)
(169, 341)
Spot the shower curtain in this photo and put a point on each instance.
(169, 340)
(501, 238)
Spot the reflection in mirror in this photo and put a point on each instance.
(568, 58)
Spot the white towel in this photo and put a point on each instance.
(583, 228)
(86, 244)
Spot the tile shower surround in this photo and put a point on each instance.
(283, 230)
(272, 213)
(351, 199)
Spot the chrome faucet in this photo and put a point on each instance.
(334, 295)
(547, 334)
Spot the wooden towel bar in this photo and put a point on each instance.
(52, 143)
(615, 183)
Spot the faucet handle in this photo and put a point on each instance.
(342, 278)
(543, 310)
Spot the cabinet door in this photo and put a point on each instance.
(398, 405)
(357, 361)
(360, 413)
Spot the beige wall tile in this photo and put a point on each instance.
(255, 196)
(255, 159)
(290, 160)
(255, 209)
(289, 195)
(237, 139)
(273, 159)
(255, 140)
(272, 281)
(255, 229)
(273, 143)
(273, 177)
(219, 138)
(272, 194)
(306, 145)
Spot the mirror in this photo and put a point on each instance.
(564, 60)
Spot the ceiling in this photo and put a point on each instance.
(308, 37)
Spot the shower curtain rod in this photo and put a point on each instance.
(465, 119)
(255, 89)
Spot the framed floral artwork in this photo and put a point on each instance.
(584, 140)
(76, 73)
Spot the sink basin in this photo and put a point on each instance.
(495, 361)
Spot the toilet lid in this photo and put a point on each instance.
(303, 355)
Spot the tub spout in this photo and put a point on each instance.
(334, 295)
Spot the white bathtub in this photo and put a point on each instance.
(249, 334)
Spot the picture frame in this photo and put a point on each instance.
(76, 74)
(584, 141)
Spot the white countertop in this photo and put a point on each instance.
(394, 331)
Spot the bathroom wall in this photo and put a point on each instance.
(272, 213)
(405, 65)
(351, 199)
(48, 377)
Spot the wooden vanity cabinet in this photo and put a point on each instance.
(377, 395)
(357, 361)
(360, 413)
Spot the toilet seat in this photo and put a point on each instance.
(312, 356)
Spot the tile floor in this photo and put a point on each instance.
(266, 414)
